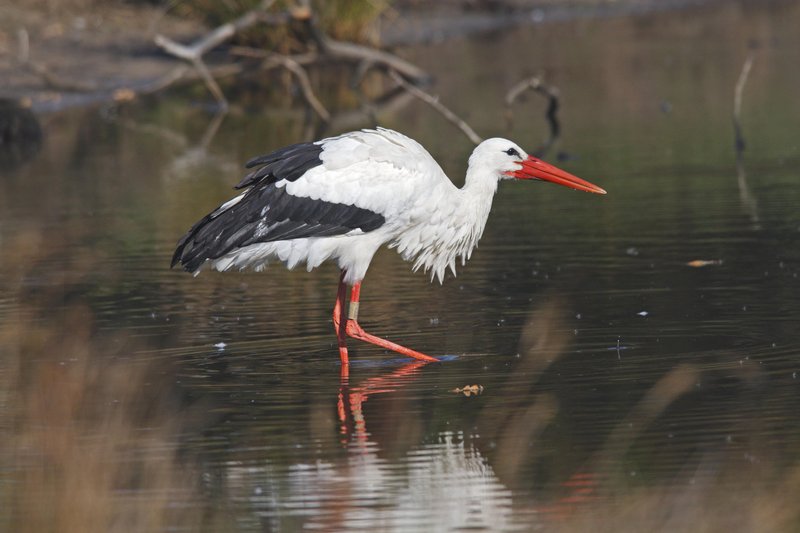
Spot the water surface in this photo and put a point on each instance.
(622, 388)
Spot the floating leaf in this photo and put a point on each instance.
(699, 263)
(468, 390)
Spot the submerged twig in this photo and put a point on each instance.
(737, 103)
(745, 195)
(438, 106)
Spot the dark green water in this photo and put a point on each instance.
(623, 389)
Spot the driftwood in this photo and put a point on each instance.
(407, 76)
(328, 48)
(404, 73)
(194, 52)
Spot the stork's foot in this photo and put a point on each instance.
(349, 327)
(354, 330)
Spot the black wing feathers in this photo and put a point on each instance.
(288, 163)
(268, 213)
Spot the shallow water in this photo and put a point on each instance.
(622, 388)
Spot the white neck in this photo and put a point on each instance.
(455, 222)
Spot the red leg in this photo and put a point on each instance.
(339, 324)
(357, 332)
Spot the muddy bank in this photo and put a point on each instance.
(84, 55)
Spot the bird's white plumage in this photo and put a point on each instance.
(427, 218)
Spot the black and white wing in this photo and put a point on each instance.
(344, 185)
(266, 212)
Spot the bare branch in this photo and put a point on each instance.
(306, 58)
(211, 83)
(194, 52)
(194, 55)
(534, 83)
(294, 65)
(343, 51)
(362, 57)
(305, 84)
(215, 37)
(438, 106)
(356, 52)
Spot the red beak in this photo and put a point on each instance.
(536, 169)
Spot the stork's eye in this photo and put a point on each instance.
(512, 151)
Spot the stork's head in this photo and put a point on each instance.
(506, 160)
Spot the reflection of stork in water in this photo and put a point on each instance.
(344, 197)
(447, 471)
(351, 399)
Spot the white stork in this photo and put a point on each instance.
(344, 197)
